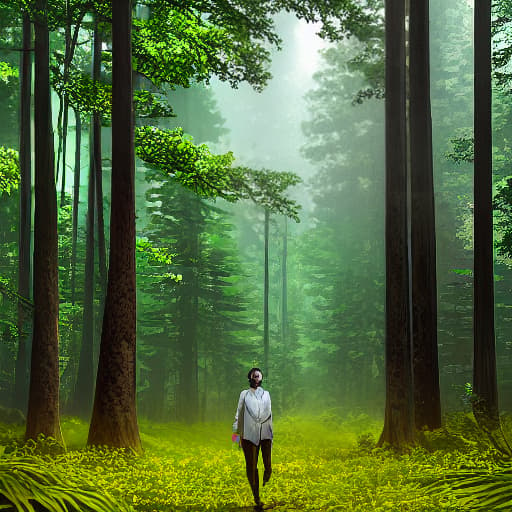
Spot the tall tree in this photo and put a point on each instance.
(84, 386)
(484, 364)
(187, 305)
(98, 167)
(266, 341)
(76, 200)
(21, 373)
(427, 402)
(284, 285)
(81, 401)
(398, 418)
(43, 403)
(114, 418)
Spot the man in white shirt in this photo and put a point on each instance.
(253, 421)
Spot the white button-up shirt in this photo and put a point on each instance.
(253, 418)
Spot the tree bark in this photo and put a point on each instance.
(398, 420)
(76, 202)
(114, 418)
(84, 385)
(43, 403)
(102, 259)
(65, 107)
(266, 347)
(427, 402)
(21, 372)
(484, 364)
(65, 123)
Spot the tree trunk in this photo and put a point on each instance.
(398, 420)
(265, 300)
(76, 202)
(70, 46)
(204, 398)
(114, 417)
(43, 403)
(65, 106)
(284, 287)
(484, 365)
(188, 313)
(154, 399)
(21, 373)
(102, 262)
(59, 136)
(427, 402)
(96, 149)
(83, 392)
(189, 389)
(284, 303)
(64, 150)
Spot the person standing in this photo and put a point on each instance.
(253, 422)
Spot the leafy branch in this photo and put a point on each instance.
(9, 170)
(209, 175)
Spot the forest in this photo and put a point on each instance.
(319, 189)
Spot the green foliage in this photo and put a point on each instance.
(25, 481)
(478, 489)
(7, 72)
(88, 96)
(9, 170)
(462, 271)
(209, 175)
(151, 105)
(9, 90)
(193, 166)
(228, 40)
(462, 149)
(42, 446)
(8, 290)
(82, 92)
(177, 47)
(341, 255)
(503, 208)
(502, 50)
(266, 188)
(156, 255)
(206, 310)
(319, 464)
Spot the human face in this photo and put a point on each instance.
(257, 377)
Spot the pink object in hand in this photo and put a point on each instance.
(235, 437)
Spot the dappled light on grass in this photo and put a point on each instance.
(323, 463)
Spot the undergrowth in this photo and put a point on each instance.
(321, 464)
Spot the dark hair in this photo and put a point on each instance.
(249, 375)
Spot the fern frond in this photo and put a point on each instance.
(24, 481)
(478, 489)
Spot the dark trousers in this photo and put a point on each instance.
(251, 452)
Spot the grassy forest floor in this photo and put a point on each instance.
(321, 464)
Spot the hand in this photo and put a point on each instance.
(235, 438)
